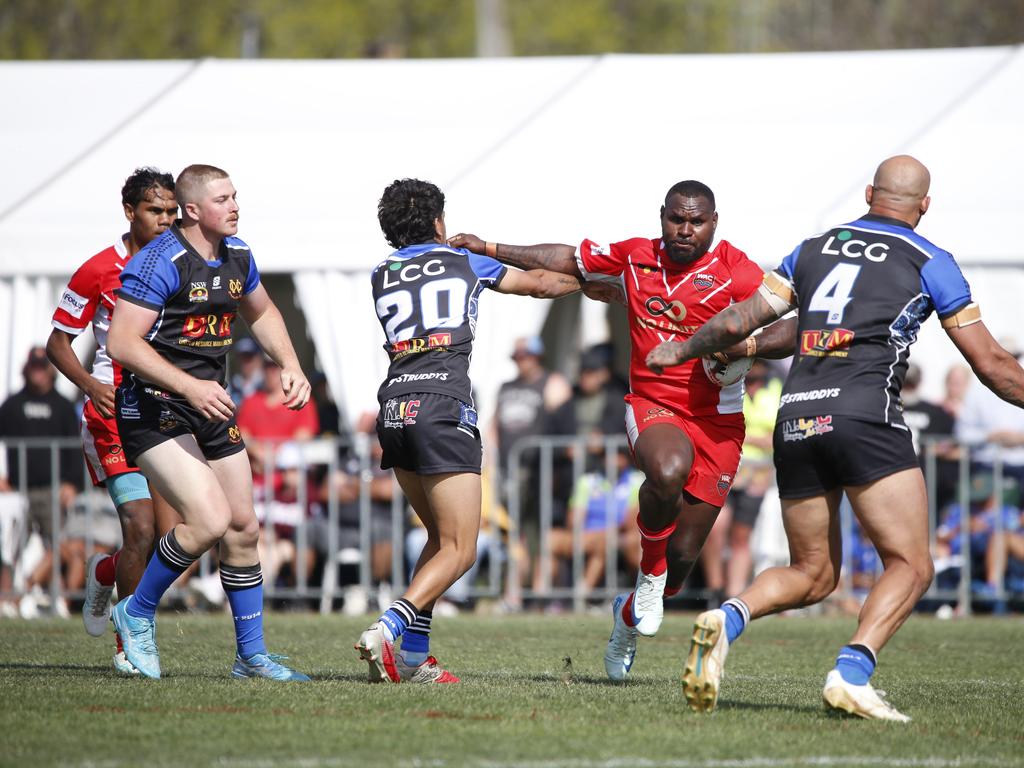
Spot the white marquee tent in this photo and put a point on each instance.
(527, 150)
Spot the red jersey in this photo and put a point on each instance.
(90, 298)
(669, 303)
(262, 421)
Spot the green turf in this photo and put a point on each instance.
(520, 703)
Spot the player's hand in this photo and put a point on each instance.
(210, 399)
(666, 354)
(600, 290)
(102, 396)
(467, 241)
(296, 388)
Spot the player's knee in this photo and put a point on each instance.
(668, 476)
(246, 534)
(467, 556)
(139, 531)
(924, 572)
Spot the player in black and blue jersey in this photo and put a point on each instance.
(863, 290)
(172, 330)
(426, 294)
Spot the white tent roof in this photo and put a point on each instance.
(526, 149)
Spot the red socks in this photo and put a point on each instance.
(106, 568)
(653, 545)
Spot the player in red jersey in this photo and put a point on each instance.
(150, 207)
(686, 431)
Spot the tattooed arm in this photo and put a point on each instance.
(554, 257)
(729, 326)
(539, 283)
(775, 342)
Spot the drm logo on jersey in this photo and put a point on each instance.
(72, 303)
(801, 429)
(814, 394)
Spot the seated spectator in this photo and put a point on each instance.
(248, 379)
(932, 428)
(280, 517)
(990, 519)
(589, 516)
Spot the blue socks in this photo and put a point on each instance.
(243, 585)
(855, 663)
(397, 618)
(737, 616)
(167, 564)
(416, 640)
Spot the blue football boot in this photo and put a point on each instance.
(265, 665)
(138, 636)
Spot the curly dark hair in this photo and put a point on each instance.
(407, 210)
(141, 181)
(691, 188)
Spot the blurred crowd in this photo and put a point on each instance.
(560, 494)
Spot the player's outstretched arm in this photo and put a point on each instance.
(267, 325)
(997, 368)
(555, 257)
(63, 357)
(539, 283)
(731, 325)
(775, 342)
(127, 344)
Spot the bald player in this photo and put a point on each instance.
(863, 290)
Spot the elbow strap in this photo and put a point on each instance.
(777, 293)
(967, 316)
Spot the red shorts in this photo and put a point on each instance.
(101, 445)
(717, 441)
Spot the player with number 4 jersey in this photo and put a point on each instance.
(863, 290)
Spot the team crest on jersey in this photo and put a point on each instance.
(702, 281)
(724, 481)
(234, 434)
(801, 429)
(198, 292)
(833, 342)
(235, 288)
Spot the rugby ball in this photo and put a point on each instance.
(724, 374)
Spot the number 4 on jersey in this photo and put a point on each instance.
(833, 292)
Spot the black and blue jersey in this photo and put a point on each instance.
(427, 298)
(197, 300)
(863, 290)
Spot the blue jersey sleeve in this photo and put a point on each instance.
(788, 266)
(149, 279)
(942, 279)
(252, 280)
(487, 269)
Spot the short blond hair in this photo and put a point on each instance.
(192, 181)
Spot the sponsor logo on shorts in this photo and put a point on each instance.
(834, 342)
(234, 434)
(167, 421)
(109, 461)
(434, 341)
(657, 413)
(801, 429)
(72, 303)
(114, 449)
(398, 413)
(198, 293)
(724, 481)
(702, 281)
(130, 405)
(812, 394)
(407, 377)
(235, 288)
(467, 419)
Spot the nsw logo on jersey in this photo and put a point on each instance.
(198, 292)
(834, 342)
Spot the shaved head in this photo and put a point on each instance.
(900, 189)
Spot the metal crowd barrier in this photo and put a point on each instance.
(503, 576)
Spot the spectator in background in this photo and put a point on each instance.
(266, 422)
(935, 425)
(958, 379)
(39, 411)
(756, 474)
(993, 427)
(248, 379)
(294, 494)
(327, 412)
(524, 408)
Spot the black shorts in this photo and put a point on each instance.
(145, 420)
(429, 434)
(815, 454)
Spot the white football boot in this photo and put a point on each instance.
(649, 603)
(621, 650)
(860, 700)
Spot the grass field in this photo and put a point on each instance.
(521, 702)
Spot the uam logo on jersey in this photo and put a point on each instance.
(833, 342)
(702, 281)
(72, 303)
(198, 292)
